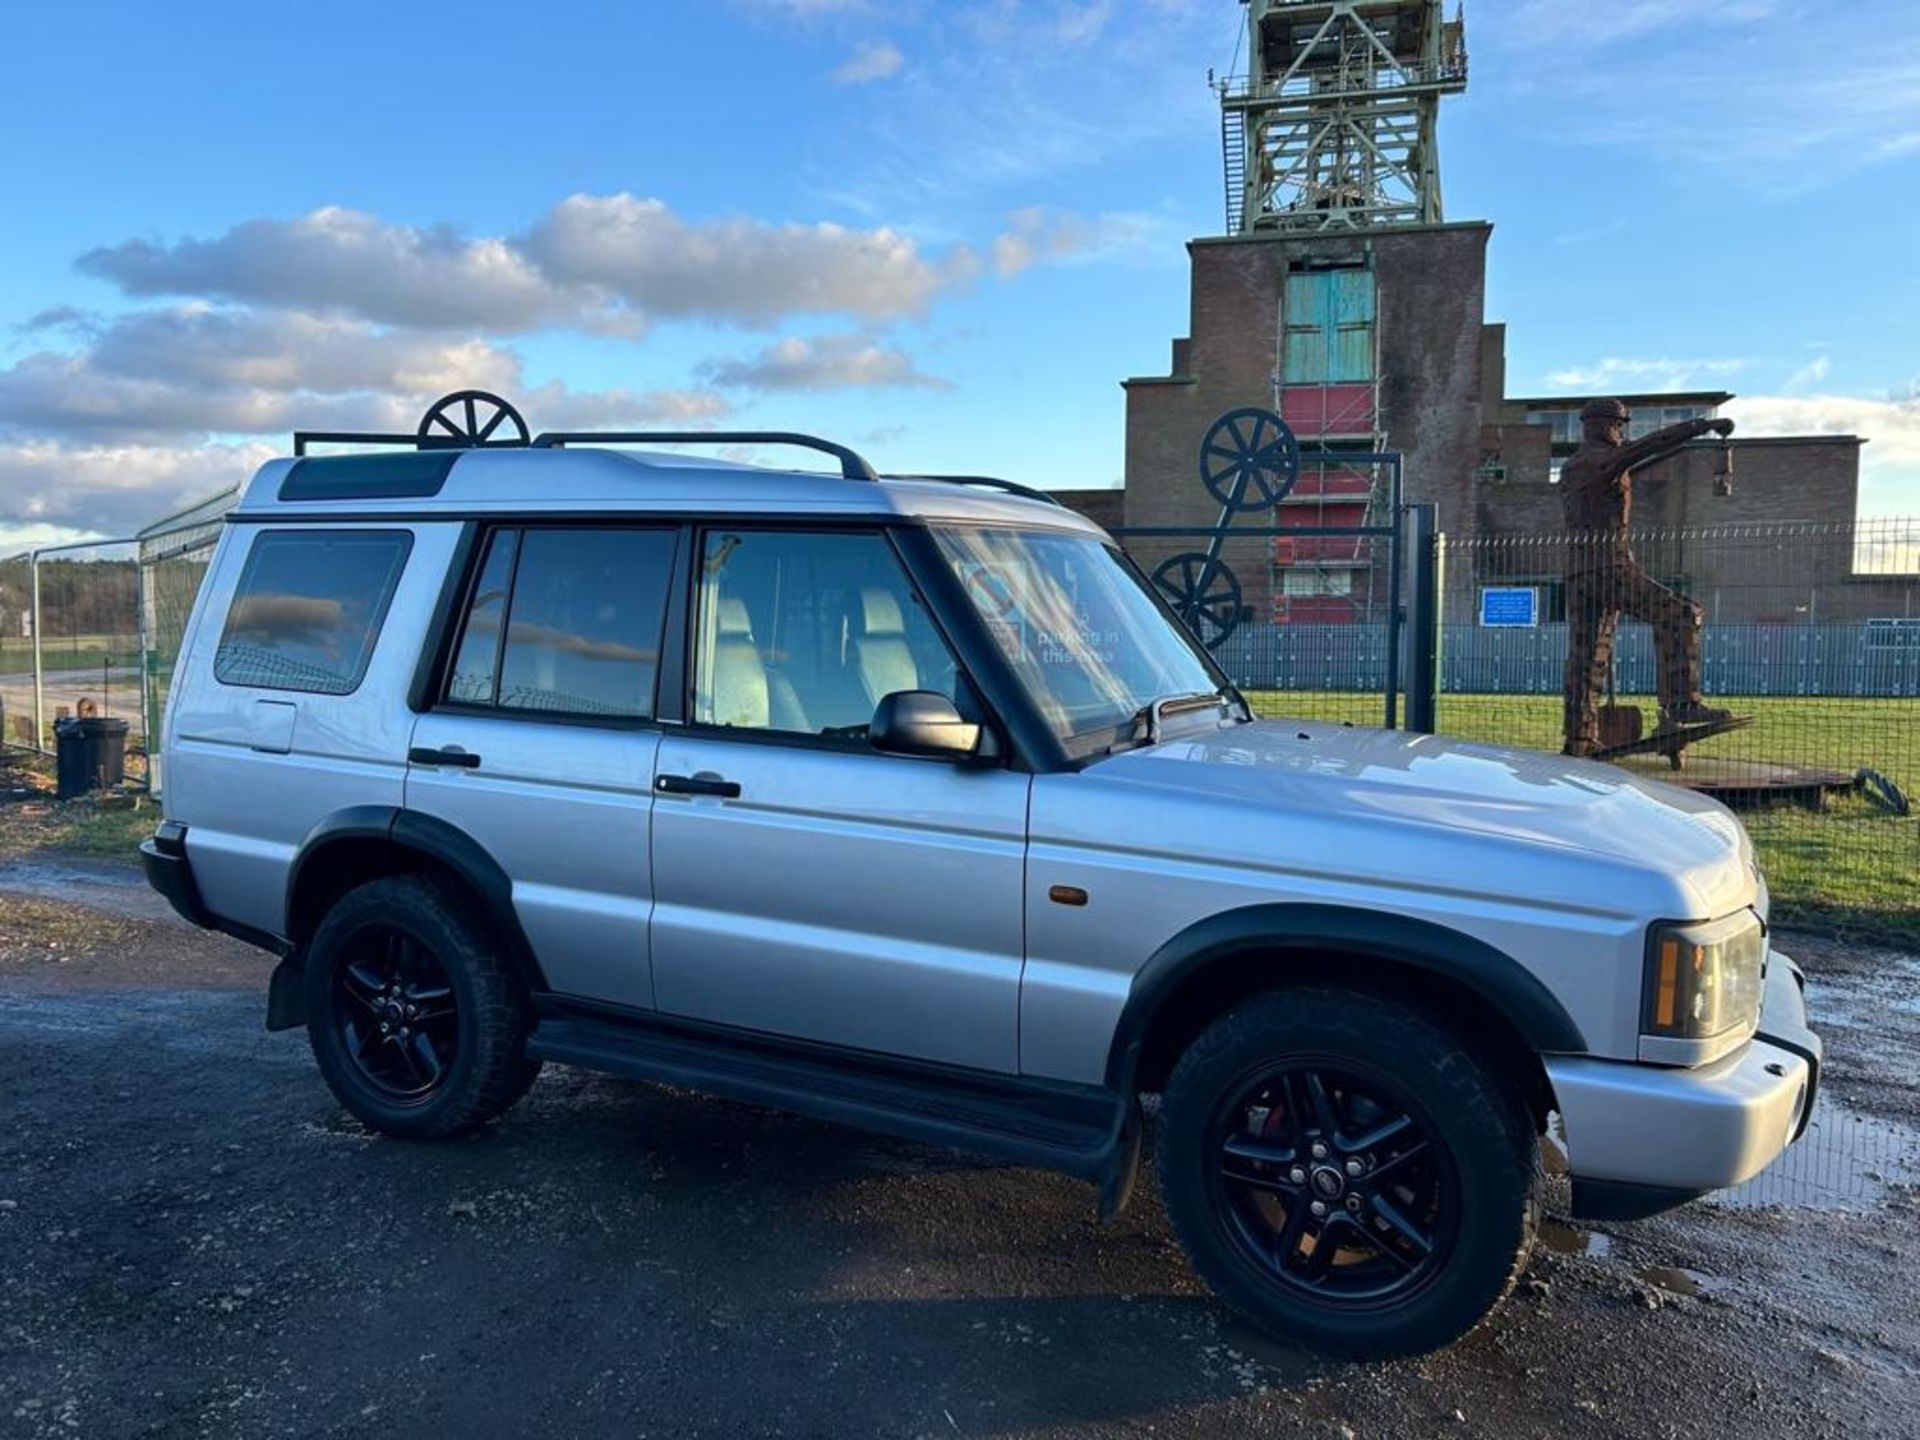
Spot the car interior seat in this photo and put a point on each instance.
(877, 646)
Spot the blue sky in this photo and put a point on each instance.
(944, 231)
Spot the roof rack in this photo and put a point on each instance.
(464, 420)
(470, 420)
(853, 465)
(989, 482)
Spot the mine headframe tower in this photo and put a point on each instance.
(1334, 124)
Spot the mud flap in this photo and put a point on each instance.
(1123, 1171)
(286, 995)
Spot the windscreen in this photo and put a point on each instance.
(1076, 625)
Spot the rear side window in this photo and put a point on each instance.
(565, 622)
(308, 609)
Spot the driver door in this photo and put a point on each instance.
(805, 884)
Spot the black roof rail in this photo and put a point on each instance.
(989, 482)
(464, 420)
(853, 465)
(468, 420)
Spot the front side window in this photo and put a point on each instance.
(806, 631)
(565, 621)
(1077, 626)
(308, 608)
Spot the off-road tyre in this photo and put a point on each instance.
(1484, 1145)
(487, 1069)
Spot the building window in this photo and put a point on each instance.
(1563, 426)
(308, 609)
(1329, 327)
(1313, 584)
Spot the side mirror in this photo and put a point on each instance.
(924, 722)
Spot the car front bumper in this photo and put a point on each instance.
(1643, 1138)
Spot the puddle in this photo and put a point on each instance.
(1677, 1280)
(1564, 1239)
(1845, 1161)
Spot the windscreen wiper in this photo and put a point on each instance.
(1153, 714)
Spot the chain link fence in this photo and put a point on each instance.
(1785, 656)
(1805, 640)
(96, 627)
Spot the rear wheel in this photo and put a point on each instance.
(1344, 1171)
(415, 1019)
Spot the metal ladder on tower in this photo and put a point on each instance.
(1233, 147)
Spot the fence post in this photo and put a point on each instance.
(39, 688)
(1423, 620)
(144, 602)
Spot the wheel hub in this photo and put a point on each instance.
(395, 1016)
(1328, 1183)
(1332, 1185)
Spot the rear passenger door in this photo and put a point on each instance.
(540, 740)
(806, 884)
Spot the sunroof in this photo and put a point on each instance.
(399, 475)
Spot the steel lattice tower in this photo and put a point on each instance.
(1334, 125)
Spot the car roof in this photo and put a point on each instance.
(560, 481)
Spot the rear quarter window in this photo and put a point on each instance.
(308, 609)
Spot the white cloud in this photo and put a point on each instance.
(1050, 89)
(347, 261)
(597, 262)
(193, 371)
(1641, 374)
(743, 270)
(873, 60)
(1809, 376)
(1736, 101)
(1890, 461)
(809, 9)
(1563, 21)
(1040, 234)
(1036, 234)
(1080, 23)
(834, 362)
(50, 488)
(1891, 425)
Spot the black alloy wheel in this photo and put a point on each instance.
(395, 1014)
(1349, 1171)
(416, 1012)
(1333, 1186)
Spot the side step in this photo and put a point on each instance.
(1083, 1130)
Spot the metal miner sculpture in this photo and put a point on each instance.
(1605, 581)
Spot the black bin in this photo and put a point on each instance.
(90, 754)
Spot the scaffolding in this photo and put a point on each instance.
(1335, 125)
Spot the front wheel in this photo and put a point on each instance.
(415, 1018)
(1346, 1173)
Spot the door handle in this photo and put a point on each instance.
(445, 755)
(705, 783)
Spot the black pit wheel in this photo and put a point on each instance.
(417, 1023)
(467, 419)
(1882, 792)
(1204, 592)
(1249, 460)
(1345, 1173)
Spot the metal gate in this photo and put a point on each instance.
(1309, 617)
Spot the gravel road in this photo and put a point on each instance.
(195, 1240)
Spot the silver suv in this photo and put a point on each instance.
(907, 803)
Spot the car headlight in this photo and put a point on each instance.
(1703, 986)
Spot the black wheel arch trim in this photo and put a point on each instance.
(1280, 929)
(445, 844)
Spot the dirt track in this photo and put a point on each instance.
(197, 1241)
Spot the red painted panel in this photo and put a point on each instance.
(1317, 410)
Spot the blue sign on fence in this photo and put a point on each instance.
(1509, 607)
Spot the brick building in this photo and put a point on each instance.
(1347, 304)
